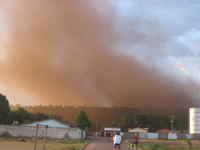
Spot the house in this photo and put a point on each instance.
(55, 129)
(47, 128)
(164, 131)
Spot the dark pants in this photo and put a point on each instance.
(116, 146)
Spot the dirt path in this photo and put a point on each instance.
(15, 146)
(103, 144)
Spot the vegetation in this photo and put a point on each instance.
(82, 121)
(4, 109)
(153, 147)
(181, 148)
(125, 122)
(99, 117)
(115, 116)
(19, 115)
(164, 147)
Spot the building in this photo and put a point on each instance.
(110, 131)
(194, 121)
(47, 128)
(138, 130)
(164, 131)
(51, 123)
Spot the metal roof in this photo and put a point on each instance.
(50, 123)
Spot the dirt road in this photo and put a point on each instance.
(103, 144)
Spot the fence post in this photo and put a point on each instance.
(36, 136)
(45, 137)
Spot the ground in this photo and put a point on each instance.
(29, 145)
(7, 145)
(96, 144)
(103, 144)
(106, 144)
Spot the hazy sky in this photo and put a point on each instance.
(105, 53)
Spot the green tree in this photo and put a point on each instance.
(38, 117)
(4, 109)
(180, 122)
(20, 115)
(143, 121)
(127, 121)
(82, 121)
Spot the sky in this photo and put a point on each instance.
(100, 53)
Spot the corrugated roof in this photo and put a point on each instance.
(139, 130)
(50, 123)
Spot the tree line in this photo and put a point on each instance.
(116, 117)
(95, 117)
(19, 115)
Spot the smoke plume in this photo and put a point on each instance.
(94, 53)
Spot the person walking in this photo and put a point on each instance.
(136, 141)
(117, 140)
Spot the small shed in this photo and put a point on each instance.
(110, 131)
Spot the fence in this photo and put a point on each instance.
(164, 136)
(54, 133)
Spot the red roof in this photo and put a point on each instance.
(164, 131)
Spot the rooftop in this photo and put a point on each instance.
(50, 123)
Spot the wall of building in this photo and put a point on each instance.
(194, 120)
(163, 136)
(57, 133)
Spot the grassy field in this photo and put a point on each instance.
(169, 145)
(14, 144)
(164, 147)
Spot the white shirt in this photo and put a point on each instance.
(117, 139)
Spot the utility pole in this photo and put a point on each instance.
(172, 118)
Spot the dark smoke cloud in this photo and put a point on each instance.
(67, 52)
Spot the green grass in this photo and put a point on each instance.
(163, 147)
(152, 147)
(184, 149)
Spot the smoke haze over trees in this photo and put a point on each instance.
(115, 116)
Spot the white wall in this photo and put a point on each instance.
(194, 120)
(153, 136)
(57, 133)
